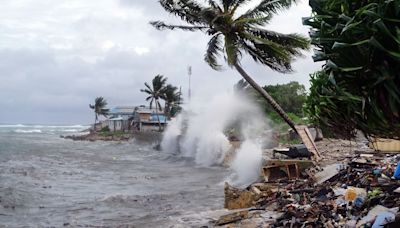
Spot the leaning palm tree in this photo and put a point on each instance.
(232, 35)
(172, 98)
(156, 92)
(99, 108)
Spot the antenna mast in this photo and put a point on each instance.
(190, 75)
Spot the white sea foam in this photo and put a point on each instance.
(28, 131)
(202, 133)
(51, 129)
(11, 125)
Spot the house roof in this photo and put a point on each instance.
(116, 119)
(122, 110)
(142, 109)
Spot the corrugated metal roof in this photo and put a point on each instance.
(116, 118)
(123, 110)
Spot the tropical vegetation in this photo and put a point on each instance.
(160, 90)
(359, 85)
(99, 108)
(232, 35)
(155, 92)
(173, 100)
(291, 96)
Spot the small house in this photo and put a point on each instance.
(120, 118)
(146, 119)
(115, 124)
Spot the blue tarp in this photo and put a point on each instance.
(163, 118)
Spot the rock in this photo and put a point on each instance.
(236, 198)
(232, 217)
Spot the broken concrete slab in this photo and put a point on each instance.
(328, 172)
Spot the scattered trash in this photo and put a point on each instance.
(397, 172)
(358, 192)
(296, 151)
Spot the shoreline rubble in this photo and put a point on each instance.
(345, 189)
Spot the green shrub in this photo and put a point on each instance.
(105, 129)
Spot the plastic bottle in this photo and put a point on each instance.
(350, 194)
(355, 195)
(397, 172)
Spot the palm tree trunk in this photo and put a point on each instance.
(268, 97)
(95, 120)
(158, 117)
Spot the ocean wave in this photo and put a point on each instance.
(12, 125)
(59, 126)
(66, 130)
(27, 131)
(77, 126)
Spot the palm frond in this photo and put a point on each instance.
(238, 3)
(187, 10)
(268, 6)
(258, 20)
(158, 105)
(151, 103)
(213, 49)
(231, 49)
(227, 4)
(293, 40)
(274, 49)
(148, 88)
(264, 57)
(215, 5)
(161, 25)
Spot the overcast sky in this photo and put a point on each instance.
(57, 56)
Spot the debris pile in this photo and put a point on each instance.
(364, 191)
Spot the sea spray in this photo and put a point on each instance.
(247, 163)
(201, 133)
(170, 142)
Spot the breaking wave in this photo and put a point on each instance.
(27, 131)
(39, 129)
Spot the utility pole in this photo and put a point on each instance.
(190, 75)
(180, 94)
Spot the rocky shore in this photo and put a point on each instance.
(118, 136)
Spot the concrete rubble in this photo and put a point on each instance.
(358, 191)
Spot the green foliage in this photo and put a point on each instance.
(279, 124)
(173, 100)
(99, 108)
(105, 129)
(156, 91)
(290, 96)
(359, 86)
(160, 90)
(232, 34)
(111, 133)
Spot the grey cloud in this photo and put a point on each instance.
(78, 55)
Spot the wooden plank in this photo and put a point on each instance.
(306, 138)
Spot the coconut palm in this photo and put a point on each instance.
(156, 92)
(99, 108)
(232, 35)
(172, 98)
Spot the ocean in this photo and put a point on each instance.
(48, 181)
